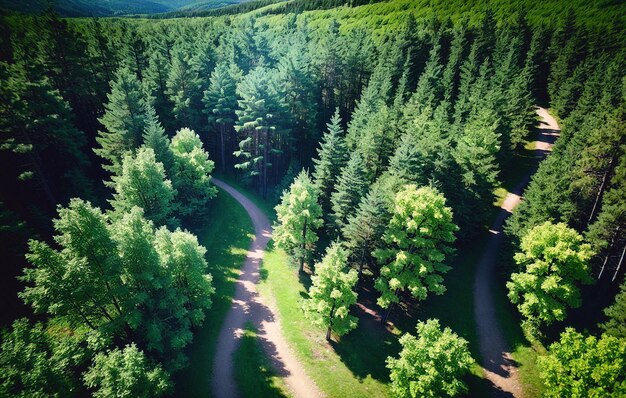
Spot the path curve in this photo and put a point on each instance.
(248, 306)
(497, 362)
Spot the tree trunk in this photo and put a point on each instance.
(387, 313)
(619, 265)
(600, 192)
(358, 282)
(222, 146)
(608, 254)
(330, 322)
(303, 246)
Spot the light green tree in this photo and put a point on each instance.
(126, 373)
(417, 243)
(332, 293)
(192, 174)
(38, 363)
(555, 262)
(299, 216)
(431, 364)
(581, 366)
(142, 182)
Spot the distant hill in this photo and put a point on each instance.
(101, 8)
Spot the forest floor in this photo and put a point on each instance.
(496, 359)
(248, 307)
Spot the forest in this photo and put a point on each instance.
(314, 199)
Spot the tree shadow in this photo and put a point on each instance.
(365, 350)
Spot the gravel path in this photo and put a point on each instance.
(497, 363)
(247, 306)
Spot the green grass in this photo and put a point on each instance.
(253, 371)
(226, 234)
(350, 368)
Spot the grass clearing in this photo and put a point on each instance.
(253, 371)
(335, 372)
(226, 234)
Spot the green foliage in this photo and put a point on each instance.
(331, 158)
(126, 373)
(555, 261)
(39, 362)
(583, 366)
(121, 279)
(351, 186)
(154, 137)
(298, 217)
(191, 175)
(418, 241)
(616, 312)
(124, 120)
(365, 229)
(332, 293)
(142, 183)
(431, 364)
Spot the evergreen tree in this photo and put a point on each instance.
(154, 137)
(332, 293)
(417, 241)
(299, 216)
(142, 182)
(616, 312)
(365, 229)
(124, 120)
(220, 101)
(331, 158)
(260, 125)
(184, 89)
(350, 188)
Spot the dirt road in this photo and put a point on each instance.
(248, 306)
(497, 363)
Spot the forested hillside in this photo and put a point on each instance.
(87, 8)
(382, 134)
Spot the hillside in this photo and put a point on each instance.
(82, 8)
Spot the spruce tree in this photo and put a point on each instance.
(350, 188)
(124, 120)
(364, 230)
(154, 137)
(220, 101)
(184, 90)
(331, 158)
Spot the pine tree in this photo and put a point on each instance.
(154, 137)
(299, 216)
(331, 158)
(220, 102)
(124, 120)
(350, 188)
(332, 293)
(184, 89)
(261, 125)
(142, 182)
(364, 230)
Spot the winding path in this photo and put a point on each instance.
(497, 362)
(248, 306)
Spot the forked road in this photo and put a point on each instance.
(497, 363)
(247, 306)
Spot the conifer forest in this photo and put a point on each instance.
(313, 198)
